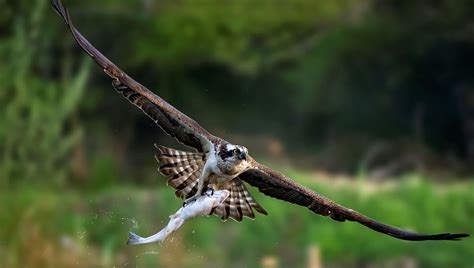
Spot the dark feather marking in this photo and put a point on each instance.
(227, 209)
(188, 132)
(277, 185)
(176, 124)
(238, 199)
(239, 203)
(184, 181)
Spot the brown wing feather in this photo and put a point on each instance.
(181, 168)
(279, 186)
(190, 133)
(239, 204)
(172, 121)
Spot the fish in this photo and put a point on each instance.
(201, 206)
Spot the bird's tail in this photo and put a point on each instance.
(239, 203)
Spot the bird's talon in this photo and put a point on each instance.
(189, 201)
(207, 192)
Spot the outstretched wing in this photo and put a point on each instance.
(190, 133)
(279, 186)
(171, 120)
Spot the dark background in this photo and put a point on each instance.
(371, 103)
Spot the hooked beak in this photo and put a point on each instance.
(243, 156)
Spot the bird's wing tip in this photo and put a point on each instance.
(457, 236)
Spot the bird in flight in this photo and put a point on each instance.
(220, 165)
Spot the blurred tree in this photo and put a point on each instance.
(328, 79)
(342, 74)
(36, 132)
(244, 35)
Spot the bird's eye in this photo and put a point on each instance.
(236, 151)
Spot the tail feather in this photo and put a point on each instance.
(183, 170)
(245, 207)
(239, 204)
(251, 201)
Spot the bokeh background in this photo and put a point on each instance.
(369, 102)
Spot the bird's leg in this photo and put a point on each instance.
(212, 191)
(206, 190)
(190, 200)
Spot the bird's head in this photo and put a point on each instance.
(234, 157)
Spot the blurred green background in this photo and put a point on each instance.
(368, 102)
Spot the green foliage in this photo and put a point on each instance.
(324, 79)
(351, 72)
(245, 35)
(36, 132)
(96, 225)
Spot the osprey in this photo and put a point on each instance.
(221, 165)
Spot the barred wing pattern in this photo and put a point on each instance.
(279, 186)
(239, 204)
(176, 124)
(181, 168)
(188, 132)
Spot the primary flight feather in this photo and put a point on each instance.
(220, 165)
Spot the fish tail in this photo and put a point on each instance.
(134, 239)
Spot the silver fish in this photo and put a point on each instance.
(201, 206)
